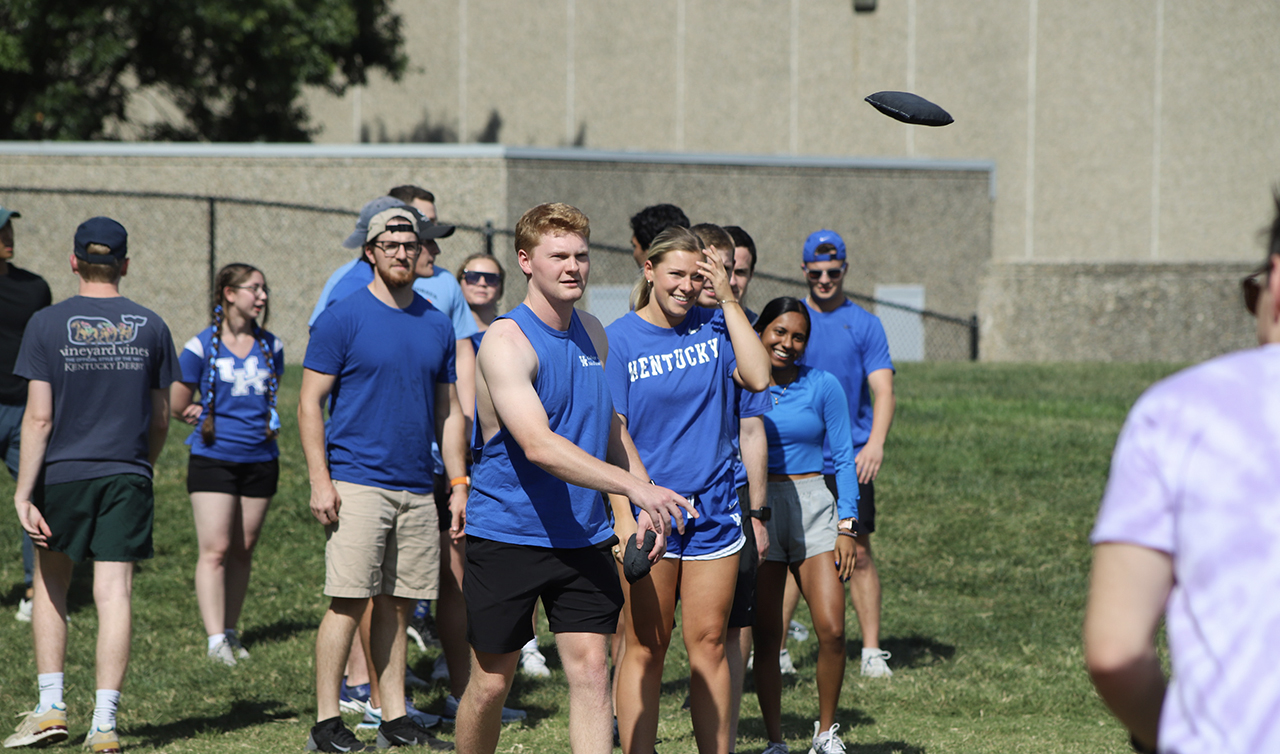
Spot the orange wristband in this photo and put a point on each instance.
(460, 480)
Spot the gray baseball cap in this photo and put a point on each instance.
(370, 210)
(6, 213)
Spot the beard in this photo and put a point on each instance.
(398, 277)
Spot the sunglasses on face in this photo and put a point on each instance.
(473, 277)
(1251, 286)
(816, 275)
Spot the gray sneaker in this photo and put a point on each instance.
(237, 648)
(874, 665)
(223, 653)
(826, 742)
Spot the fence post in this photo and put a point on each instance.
(488, 237)
(213, 242)
(973, 338)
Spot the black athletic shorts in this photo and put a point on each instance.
(206, 474)
(743, 612)
(866, 501)
(107, 519)
(579, 588)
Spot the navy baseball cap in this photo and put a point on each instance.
(105, 231)
(6, 213)
(818, 238)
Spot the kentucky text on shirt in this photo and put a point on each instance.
(681, 358)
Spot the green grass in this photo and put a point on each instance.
(992, 480)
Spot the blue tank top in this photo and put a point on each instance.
(514, 501)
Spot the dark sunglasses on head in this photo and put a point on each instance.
(473, 277)
(816, 275)
(1251, 286)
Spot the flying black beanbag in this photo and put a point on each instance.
(910, 108)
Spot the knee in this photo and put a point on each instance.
(215, 554)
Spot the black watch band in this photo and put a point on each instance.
(764, 513)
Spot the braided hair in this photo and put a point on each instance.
(230, 276)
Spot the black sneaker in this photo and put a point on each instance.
(405, 732)
(332, 736)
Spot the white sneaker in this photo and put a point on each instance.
(532, 662)
(440, 671)
(776, 747)
(237, 648)
(785, 664)
(223, 653)
(751, 660)
(826, 742)
(874, 665)
(799, 631)
(24, 610)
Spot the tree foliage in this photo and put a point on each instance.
(234, 69)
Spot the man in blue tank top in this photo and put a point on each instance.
(547, 443)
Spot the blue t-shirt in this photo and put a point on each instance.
(849, 343)
(387, 363)
(672, 385)
(441, 289)
(475, 340)
(749, 404)
(512, 499)
(240, 387)
(809, 412)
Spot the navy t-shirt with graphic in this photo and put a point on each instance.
(102, 358)
(240, 387)
(386, 363)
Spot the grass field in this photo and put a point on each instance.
(991, 483)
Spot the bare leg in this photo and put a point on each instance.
(590, 711)
(333, 640)
(818, 580)
(479, 718)
(49, 609)
(864, 592)
(771, 584)
(113, 595)
(250, 516)
(650, 612)
(387, 648)
(737, 647)
(358, 664)
(362, 648)
(618, 646)
(451, 614)
(791, 598)
(215, 515)
(704, 626)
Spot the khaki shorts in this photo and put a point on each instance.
(385, 542)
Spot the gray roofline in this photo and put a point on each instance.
(465, 151)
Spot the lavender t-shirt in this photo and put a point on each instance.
(1196, 474)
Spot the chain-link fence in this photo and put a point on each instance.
(178, 241)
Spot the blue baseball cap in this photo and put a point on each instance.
(105, 231)
(6, 213)
(818, 238)
(367, 213)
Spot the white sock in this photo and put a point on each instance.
(530, 646)
(215, 640)
(50, 690)
(104, 709)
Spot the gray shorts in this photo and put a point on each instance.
(803, 523)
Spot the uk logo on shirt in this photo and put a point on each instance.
(246, 378)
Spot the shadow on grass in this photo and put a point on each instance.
(908, 651)
(752, 725)
(243, 714)
(278, 631)
(884, 747)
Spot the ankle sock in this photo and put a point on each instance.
(104, 709)
(215, 640)
(50, 690)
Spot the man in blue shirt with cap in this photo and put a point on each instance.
(849, 342)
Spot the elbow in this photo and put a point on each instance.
(756, 383)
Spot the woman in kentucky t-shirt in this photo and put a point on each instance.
(669, 367)
(232, 473)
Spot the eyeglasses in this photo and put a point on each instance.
(833, 275)
(473, 277)
(390, 247)
(1251, 286)
(255, 288)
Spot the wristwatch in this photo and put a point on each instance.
(849, 526)
(764, 514)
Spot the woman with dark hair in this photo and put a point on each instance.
(669, 371)
(811, 533)
(235, 365)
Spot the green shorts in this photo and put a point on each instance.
(108, 518)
